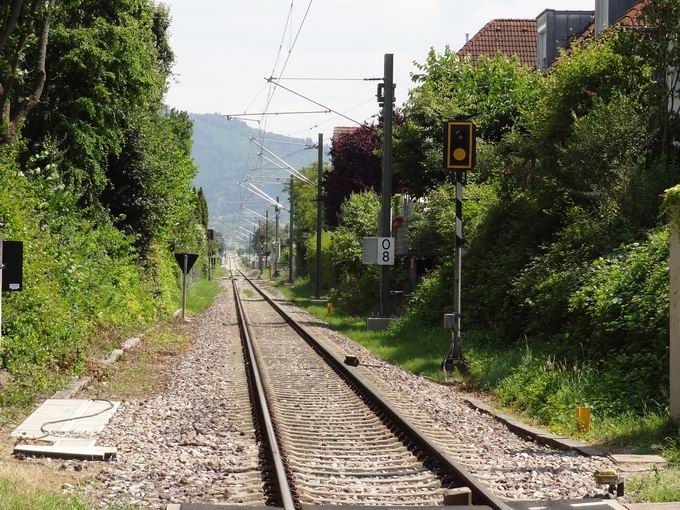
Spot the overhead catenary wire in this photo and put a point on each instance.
(372, 98)
(290, 168)
(278, 53)
(321, 78)
(254, 189)
(315, 102)
(297, 175)
(290, 51)
(251, 222)
(230, 116)
(255, 213)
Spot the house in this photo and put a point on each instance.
(555, 30)
(631, 17)
(509, 37)
(537, 43)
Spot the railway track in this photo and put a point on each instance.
(331, 437)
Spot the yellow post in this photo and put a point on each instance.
(583, 419)
(329, 309)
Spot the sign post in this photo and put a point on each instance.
(386, 101)
(185, 261)
(459, 156)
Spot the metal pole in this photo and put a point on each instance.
(258, 246)
(209, 260)
(266, 238)
(276, 258)
(318, 216)
(456, 333)
(290, 234)
(386, 189)
(184, 286)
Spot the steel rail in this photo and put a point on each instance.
(481, 495)
(281, 486)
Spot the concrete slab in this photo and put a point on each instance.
(68, 391)
(76, 411)
(66, 451)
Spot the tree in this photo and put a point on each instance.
(105, 72)
(356, 168)
(24, 35)
(497, 92)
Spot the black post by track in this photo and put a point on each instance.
(266, 239)
(386, 186)
(290, 234)
(275, 257)
(319, 211)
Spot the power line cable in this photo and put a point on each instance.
(327, 79)
(290, 52)
(315, 102)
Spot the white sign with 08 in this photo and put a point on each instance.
(386, 251)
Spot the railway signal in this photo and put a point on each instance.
(460, 147)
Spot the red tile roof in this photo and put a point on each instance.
(510, 37)
(341, 130)
(633, 17)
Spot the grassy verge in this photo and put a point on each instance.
(531, 384)
(398, 344)
(141, 371)
(200, 295)
(16, 497)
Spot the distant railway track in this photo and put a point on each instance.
(332, 438)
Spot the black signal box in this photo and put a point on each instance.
(12, 266)
(460, 145)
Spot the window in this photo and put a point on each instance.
(542, 47)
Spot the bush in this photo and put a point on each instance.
(80, 277)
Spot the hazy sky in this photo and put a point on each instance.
(225, 48)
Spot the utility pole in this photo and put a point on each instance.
(258, 243)
(290, 234)
(318, 217)
(386, 188)
(266, 238)
(276, 243)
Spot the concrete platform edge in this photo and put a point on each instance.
(536, 434)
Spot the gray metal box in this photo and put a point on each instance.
(449, 320)
(370, 255)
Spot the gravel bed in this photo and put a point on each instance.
(513, 467)
(337, 450)
(194, 442)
